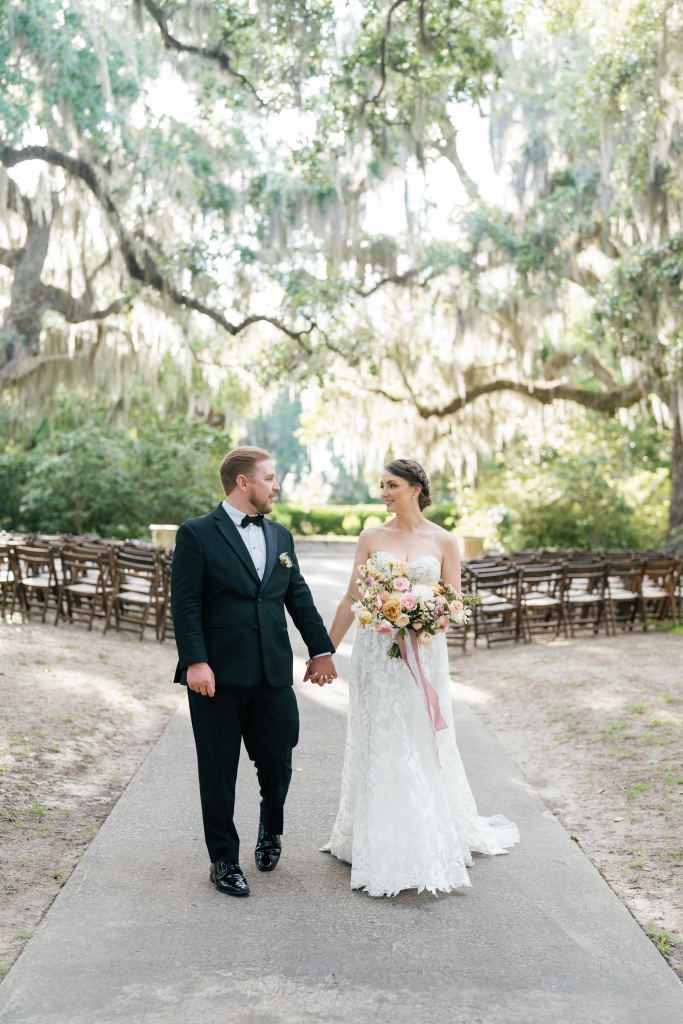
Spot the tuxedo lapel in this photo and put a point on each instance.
(229, 531)
(270, 532)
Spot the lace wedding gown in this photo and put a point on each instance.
(403, 821)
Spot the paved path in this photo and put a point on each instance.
(138, 934)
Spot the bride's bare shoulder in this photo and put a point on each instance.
(373, 533)
(444, 538)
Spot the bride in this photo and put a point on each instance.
(407, 818)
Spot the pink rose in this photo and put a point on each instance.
(377, 601)
(401, 583)
(384, 597)
(385, 627)
(408, 602)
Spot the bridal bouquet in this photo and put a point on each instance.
(392, 603)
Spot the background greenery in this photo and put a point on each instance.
(596, 485)
(216, 248)
(77, 473)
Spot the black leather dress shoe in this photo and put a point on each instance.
(228, 878)
(268, 850)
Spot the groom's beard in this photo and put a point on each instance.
(262, 505)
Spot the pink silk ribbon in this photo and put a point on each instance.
(436, 719)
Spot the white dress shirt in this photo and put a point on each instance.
(253, 536)
(255, 542)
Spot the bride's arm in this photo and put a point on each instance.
(450, 564)
(343, 618)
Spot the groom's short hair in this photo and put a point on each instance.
(238, 462)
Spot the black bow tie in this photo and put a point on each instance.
(252, 521)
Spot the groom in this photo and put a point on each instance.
(234, 573)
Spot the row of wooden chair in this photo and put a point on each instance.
(538, 597)
(124, 586)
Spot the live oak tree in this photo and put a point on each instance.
(74, 73)
(201, 213)
(221, 223)
(591, 232)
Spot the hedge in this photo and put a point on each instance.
(348, 520)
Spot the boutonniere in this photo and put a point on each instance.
(285, 560)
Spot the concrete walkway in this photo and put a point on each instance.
(139, 935)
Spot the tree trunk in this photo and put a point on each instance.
(674, 533)
(21, 330)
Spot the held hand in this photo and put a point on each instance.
(200, 678)
(320, 670)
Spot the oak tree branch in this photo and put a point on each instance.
(600, 401)
(142, 268)
(213, 53)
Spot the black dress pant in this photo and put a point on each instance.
(267, 718)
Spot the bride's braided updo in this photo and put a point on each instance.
(415, 475)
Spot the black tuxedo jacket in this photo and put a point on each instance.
(224, 615)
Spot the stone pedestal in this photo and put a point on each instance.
(163, 536)
(472, 547)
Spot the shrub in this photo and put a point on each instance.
(337, 520)
(94, 478)
(347, 520)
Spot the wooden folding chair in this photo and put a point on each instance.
(166, 620)
(456, 636)
(6, 576)
(83, 587)
(136, 593)
(542, 599)
(521, 558)
(36, 580)
(624, 555)
(585, 604)
(498, 617)
(482, 563)
(625, 593)
(660, 577)
(104, 553)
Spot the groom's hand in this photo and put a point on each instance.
(200, 678)
(320, 670)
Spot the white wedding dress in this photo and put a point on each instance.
(404, 822)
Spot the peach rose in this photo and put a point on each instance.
(402, 621)
(392, 608)
(365, 617)
(425, 639)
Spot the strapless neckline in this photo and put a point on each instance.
(423, 558)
